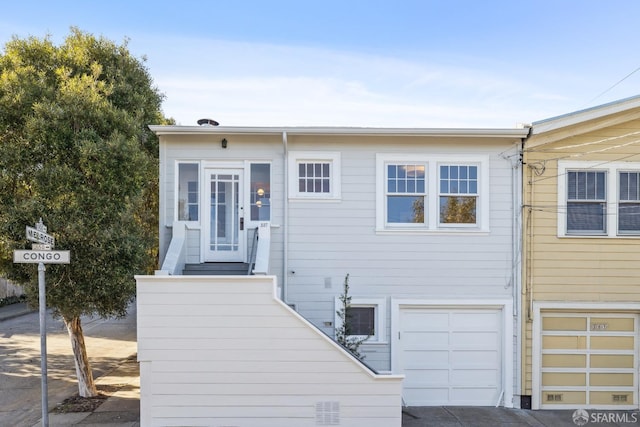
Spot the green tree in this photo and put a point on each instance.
(75, 151)
(343, 331)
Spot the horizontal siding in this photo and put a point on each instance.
(565, 269)
(331, 239)
(216, 351)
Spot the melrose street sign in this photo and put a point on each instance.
(45, 257)
(40, 236)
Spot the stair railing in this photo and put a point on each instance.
(263, 249)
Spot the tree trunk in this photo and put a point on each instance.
(86, 385)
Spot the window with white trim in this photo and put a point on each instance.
(458, 194)
(586, 202)
(430, 193)
(598, 199)
(188, 191)
(366, 317)
(629, 202)
(314, 175)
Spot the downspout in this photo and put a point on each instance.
(285, 255)
(519, 179)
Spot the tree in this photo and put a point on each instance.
(75, 151)
(343, 331)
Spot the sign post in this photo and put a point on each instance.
(41, 255)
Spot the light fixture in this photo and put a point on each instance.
(224, 142)
(260, 192)
(259, 203)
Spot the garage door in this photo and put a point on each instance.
(450, 356)
(588, 361)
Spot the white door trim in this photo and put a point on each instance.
(508, 351)
(206, 211)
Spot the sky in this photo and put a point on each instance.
(356, 63)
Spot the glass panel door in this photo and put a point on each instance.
(225, 234)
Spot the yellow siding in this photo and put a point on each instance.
(568, 269)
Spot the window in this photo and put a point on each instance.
(260, 191)
(314, 175)
(586, 202)
(458, 194)
(366, 317)
(406, 192)
(362, 321)
(601, 199)
(188, 192)
(629, 203)
(431, 193)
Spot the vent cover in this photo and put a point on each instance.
(328, 413)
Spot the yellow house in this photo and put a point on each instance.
(581, 260)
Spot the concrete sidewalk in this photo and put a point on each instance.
(121, 409)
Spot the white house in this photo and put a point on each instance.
(424, 221)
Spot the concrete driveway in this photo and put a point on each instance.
(108, 342)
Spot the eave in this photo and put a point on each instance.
(342, 131)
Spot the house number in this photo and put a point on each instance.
(599, 326)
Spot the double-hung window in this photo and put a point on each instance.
(458, 194)
(432, 193)
(314, 175)
(586, 201)
(406, 193)
(629, 202)
(601, 199)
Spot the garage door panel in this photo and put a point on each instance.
(426, 377)
(474, 378)
(482, 396)
(611, 379)
(486, 340)
(612, 343)
(416, 360)
(416, 322)
(613, 323)
(609, 360)
(470, 358)
(426, 340)
(451, 356)
(475, 320)
(611, 398)
(434, 395)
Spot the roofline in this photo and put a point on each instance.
(346, 131)
(577, 117)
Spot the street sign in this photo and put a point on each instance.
(40, 247)
(45, 257)
(39, 236)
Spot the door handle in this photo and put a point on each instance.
(241, 224)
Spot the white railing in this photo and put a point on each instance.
(174, 259)
(263, 249)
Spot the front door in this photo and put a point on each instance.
(225, 237)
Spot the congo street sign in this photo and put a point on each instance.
(45, 257)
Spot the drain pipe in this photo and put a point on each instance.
(285, 264)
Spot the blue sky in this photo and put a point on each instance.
(373, 63)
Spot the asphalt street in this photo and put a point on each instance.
(108, 343)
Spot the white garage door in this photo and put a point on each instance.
(450, 356)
